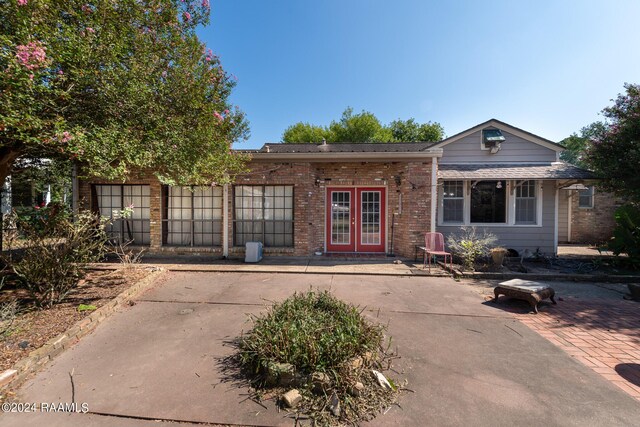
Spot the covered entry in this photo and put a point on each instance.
(355, 219)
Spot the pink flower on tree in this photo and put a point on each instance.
(31, 55)
(86, 9)
(22, 2)
(187, 16)
(218, 116)
(205, 3)
(66, 137)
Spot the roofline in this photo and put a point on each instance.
(347, 156)
(512, 129)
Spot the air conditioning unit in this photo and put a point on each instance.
(253, 252)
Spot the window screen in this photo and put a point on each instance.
(111, 199)
(192, 216)
(263, 213)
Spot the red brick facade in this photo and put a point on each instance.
(408, 207)
(594, 225)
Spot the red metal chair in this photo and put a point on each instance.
(434, 246)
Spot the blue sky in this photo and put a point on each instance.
(545, 66)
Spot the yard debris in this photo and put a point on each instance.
(356, 389)
(382, 380)
(334, 407)
(292, 398)
(320, 382)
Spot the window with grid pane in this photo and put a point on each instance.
(453, 201)
(585, 198)
(263, 213)
(109, 200)
(526, 203)
(192, 216)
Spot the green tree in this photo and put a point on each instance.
(412, 131)
(577, 145)
(614, 153)
(305, 132)
(116, 86)
(364, 127)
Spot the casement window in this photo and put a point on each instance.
(585, 198)
(453, 202)
(192, 216)
(110, 200)
(526, 202)
(263, 213)
(490, 202)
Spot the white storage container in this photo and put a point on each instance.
(253, 252)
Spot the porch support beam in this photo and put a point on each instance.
(226, 211)
(434, 192)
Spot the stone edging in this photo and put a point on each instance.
(56, 345)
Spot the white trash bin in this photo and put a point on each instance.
(253, 252)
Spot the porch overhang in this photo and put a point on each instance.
(548, 171)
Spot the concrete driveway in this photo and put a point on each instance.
(468, 363)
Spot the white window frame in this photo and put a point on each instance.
(592, 189)
(441, 202)
(511, 205)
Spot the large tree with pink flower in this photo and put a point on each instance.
(614, 149)
(117, 86)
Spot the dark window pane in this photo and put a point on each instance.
(488, 203)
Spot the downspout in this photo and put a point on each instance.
(225, 221)
(434, 192)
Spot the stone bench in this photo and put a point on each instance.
(527, 290)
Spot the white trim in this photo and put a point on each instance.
(569, 215)
(555, 223)
(510, 206)
(225, 220)
(379, 218)
(348, 156)
(351, 205)
(434, 193)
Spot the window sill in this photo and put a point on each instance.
(499, 225)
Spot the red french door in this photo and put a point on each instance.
(355, 219)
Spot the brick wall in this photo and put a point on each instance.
(593, 225)
(408, 187)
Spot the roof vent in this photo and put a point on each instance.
(268, 149)
(324, 141)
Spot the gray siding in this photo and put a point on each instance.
(563, 216)
(520, 238)
(514, 150)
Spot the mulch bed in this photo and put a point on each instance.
(32, 328)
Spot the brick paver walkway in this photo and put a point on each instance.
(602, 334)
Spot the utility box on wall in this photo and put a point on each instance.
(253, 252)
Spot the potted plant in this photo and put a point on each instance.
(497, 256)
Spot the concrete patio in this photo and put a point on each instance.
(468, 362)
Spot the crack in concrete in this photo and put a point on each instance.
(171, 420)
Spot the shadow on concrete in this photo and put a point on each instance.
(630, 372)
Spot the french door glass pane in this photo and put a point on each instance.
(340, 217)
(370, 218)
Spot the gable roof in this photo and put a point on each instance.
(503, 126)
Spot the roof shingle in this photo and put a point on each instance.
(556, 170)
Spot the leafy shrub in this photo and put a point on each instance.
(43, 219)
(469, 245)
(626, 235)
(314, 331)
(52, 262)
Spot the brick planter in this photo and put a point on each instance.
(56, 345)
